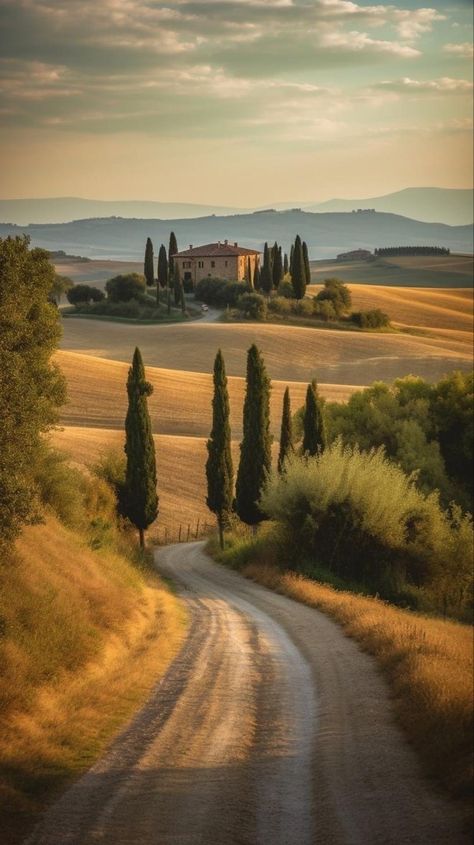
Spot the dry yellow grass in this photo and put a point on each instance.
(429, 664)
(86, 636)
(433, 308)
(292, 353)
(179, 405)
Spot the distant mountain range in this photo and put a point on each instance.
(326, 234)
(434, 205)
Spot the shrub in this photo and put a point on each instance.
(324, 309)
(125, 288)
(374, 319)
(338, 294)
(82, 294)
(303, 307)
(360, 516)
(220, 292)
(253, 305)
(280, 305)
(285, 289)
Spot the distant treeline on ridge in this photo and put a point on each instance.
(411, 250)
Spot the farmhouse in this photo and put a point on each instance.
(223, 259)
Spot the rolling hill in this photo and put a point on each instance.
(326, 234)
(449, 205)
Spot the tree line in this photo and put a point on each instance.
(167, 275)
(387, 251)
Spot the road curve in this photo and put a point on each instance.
(269, 728)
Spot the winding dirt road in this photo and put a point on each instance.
(270, 728)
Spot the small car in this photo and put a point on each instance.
(204, 307)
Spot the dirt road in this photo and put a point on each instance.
(270, 728)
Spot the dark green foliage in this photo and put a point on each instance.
(386, 251)
(277, 265)
(220, 292)
(307, 268)
(285, 289)
(149, 263)
(162, 267)
(266, 278)
(249, 274)
(84, 294)
(31, 388)
(125, 288)
(286, 433)
(292, 252)
(338, 294)
(452, 413)
(178, 287)
(255, 449)
(219, 468)
(140, 497)
(374, 319)
(256, 277)
(172, 250)
(314, 435)
(286, 266)
(253, 306)
(298, 272)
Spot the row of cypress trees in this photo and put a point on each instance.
(277, 265)
(255, 450)
(168, 275)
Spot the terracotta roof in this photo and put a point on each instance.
(211, 250)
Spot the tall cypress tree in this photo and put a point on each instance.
(286, 434)
(177, 285)
(255, 449)
(140, 498)
(292, 252)
(286, 266)
(256, 276)
(249, 273)
(148, 266)
(172, 250)
(298, 273)
(266, 280)
(307, 268)
(314, 435)
(219, 468)
(162, 267)
(277, 269)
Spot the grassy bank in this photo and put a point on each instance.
(427, 661)
(85, 635)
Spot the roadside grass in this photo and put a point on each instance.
(85, 635)
(427, 661)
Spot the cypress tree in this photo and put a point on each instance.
(249, 273)
(140, 497)
(162, 267)
(298, 273)
(148, 266)
(256, 276)
(277, 269)
(177, 285)
(292, 252)
(286, 434)
(266, 280)
(172, 250)
(219, 468)
(314, 435)
(307, 268)
(255, 449)
(286, 266)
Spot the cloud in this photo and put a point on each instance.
(464, 50)
(444, 85)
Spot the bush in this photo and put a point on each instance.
(362, 518)
(84, 294)
(253, 305)
(324, 309)
(125, 288)
(374, 319)
(303, 307)
(285, 289)
(338, 294)
(220, 292)
(280, 305)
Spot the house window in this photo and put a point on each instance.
(213, 263)
(201, 264)
(226, 263)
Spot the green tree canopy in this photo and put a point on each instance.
(172, 250)
(149, 263)
(140, 496)
(124, 288)
(314, 434)
(255, 449)
(31, 388)
(298, 271)
(286, 432)
(219, 467)
(266, 279)
(162, 267)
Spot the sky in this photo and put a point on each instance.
(240, 102)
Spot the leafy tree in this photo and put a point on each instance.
(277, 266)
(172, 250)
(84, 294)
(124, 288)
(162, 267)
(286, 433)
(452, 413)
(338, 294)
(253, 305)
(61, 284)
(314, 435)
(298, 272)
(140, 497)
(373, 319)
(219, 468)
(31, 388)
(307, 268)
(149, 265)
(266, 279)
(255, 449)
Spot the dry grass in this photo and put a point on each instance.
(180, 404)
(86, 635)
(292, 354)
(428, 662)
